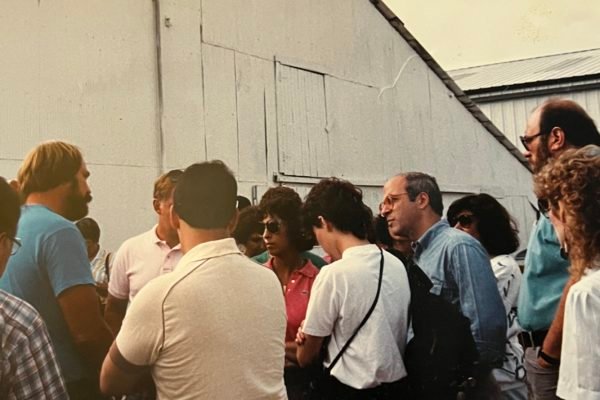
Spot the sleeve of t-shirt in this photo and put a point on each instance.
(323, 306)
(66, 260)
(118, 284)
(141, 336)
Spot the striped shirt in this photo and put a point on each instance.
(28, 367)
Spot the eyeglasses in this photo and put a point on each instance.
(544, 207)
(526, 140)
(16, 244)
(390, 200)
(464, 220)
(272, 226)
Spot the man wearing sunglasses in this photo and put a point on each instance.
(553, 127)
(456, 263)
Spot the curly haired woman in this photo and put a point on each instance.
(569, 189)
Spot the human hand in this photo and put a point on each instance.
(300, 338)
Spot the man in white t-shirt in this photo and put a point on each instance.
(144, 257)
(214, 328)
(345, 290)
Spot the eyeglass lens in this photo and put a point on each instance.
(544, 206)
(272, 226)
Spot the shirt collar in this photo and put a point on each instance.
(212, 249)
(429, 235)
(308, 269)
(159, 241)
(100, 255)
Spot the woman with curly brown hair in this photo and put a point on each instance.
(569, 190)
(281, 208)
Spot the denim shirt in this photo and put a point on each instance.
(461, 273)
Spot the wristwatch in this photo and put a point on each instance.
(550, 360)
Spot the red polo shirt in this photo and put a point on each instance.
(297, 293)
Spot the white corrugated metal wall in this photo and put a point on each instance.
(297, 90)
(511, 115)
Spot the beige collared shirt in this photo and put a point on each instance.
(212, 329)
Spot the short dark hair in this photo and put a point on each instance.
(498, 232)
(580, 129)
(418, 182)
(283, 202)
(10, 208)
(382, 232)
(340, 203)
(243, 202)
(89, 229)
(205, 195)
(249, 222)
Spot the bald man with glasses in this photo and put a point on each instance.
(555, 126)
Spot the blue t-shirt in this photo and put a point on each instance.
(52, 259)
(544, 278)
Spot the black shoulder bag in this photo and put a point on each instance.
(325, 386)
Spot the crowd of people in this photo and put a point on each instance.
(222, 299)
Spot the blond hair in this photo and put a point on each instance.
(47, 166)
(164, 184)
(573, 178)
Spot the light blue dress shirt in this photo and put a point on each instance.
(461, 273)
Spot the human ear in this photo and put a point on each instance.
(156, 205)
(174, 218)
(233, 222)
(556, 139)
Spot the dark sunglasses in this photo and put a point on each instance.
(463, 220)
(272, 226)
(544, 207)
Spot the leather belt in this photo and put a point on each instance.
(531, 338)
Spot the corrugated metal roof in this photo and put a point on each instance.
(529, 71)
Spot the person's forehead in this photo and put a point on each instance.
(394, 184)
(271, 217)
(84, 170)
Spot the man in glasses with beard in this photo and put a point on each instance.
(555, 126)
(52, 271)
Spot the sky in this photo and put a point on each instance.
(464, 33)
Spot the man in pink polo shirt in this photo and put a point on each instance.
(144, 257)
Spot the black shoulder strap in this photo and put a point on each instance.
(106, 264)
(364, 321)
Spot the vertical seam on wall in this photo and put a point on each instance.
(277, 152)
(201, 32)
(237, 115)
(161, 136)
